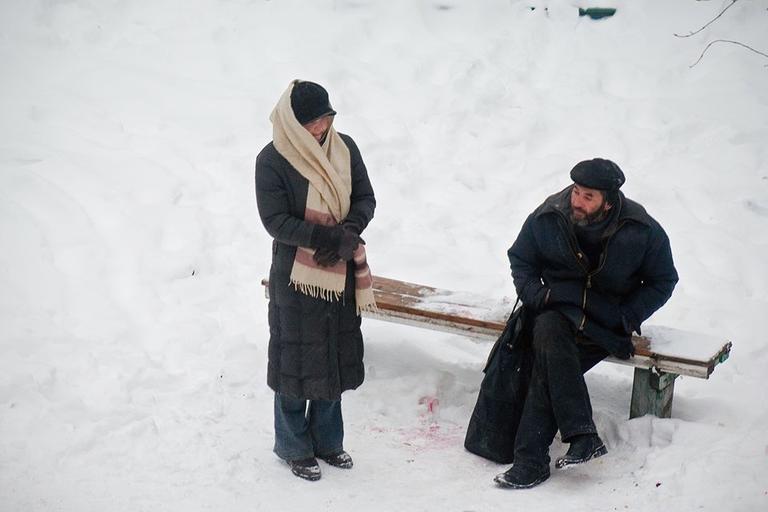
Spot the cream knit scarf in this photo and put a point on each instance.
(328, 170)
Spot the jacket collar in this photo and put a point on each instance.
(560, 203)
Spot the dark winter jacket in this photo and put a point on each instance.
(634, 277)
(315, 346)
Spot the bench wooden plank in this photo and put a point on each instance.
(468, 314)
(463, 313)
(660, 356)
(433, 303)
(409, 301)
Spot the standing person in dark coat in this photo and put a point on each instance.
(592, 265)
(315, 199)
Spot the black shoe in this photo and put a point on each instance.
(583, 448)
(522, 476)
(339, 460)
(305, 468)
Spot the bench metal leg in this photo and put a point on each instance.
(652, 393)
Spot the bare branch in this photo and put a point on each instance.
(726, 41)
(710, 22)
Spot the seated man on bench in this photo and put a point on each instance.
(592, 265)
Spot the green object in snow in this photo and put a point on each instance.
(597, 12)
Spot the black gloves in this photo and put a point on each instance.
(347, 224)
(325, 257)
(348, 244)
(566, 292)
(607, 322)
(629, 320)
(558, 295)
(627, 350)
(610, 313)
(338, 241)
(620, 345)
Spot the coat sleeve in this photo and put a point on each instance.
(273, 200)
(659, 278)
(362, 200)
(525, 260)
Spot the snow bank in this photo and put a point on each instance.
(133, 339)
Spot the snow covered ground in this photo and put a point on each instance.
(132, 323)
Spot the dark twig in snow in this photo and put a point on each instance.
(726, 41)
(711, 21)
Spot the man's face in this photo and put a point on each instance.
(587, 205)
(319, 127)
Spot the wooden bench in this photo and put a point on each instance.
(661, 354)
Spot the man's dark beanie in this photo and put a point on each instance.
(599, 174)
(309, 101)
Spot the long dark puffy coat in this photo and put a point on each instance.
(315, 346)
(634, 277)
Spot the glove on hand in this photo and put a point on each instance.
(326, 237)
(348, 244)
(605, 310)
(620, 345)
(566, 292)
(337, 239)
(627, 352)
(629, 320)
(351, 226)
(610, 315)
(325, 257)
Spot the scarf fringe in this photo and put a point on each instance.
(370, 308)
(316, 291)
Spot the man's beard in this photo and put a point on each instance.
(587, 219)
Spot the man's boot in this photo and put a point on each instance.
(523, 476)
(583, 448)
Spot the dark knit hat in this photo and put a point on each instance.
(599, 174)
(309, 101)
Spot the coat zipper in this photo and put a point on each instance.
(603, 256)
(580, 259)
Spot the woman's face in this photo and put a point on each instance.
(319, 127)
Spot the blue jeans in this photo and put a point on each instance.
(303, 431)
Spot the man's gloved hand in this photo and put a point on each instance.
(629, 320)
(325, 257)
(620, 345)
(626, 353)
(566, 292)
(605, 310)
